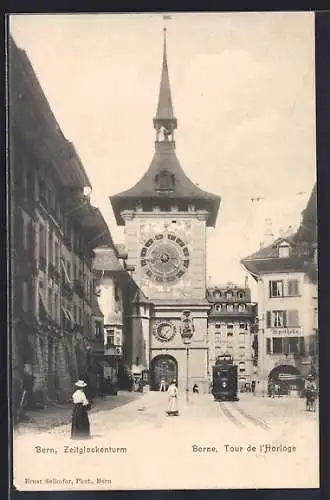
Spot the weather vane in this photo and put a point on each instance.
(166, 18)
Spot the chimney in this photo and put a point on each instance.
(268, 234)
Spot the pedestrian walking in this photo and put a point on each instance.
(162, 386)
(253, 387)
(80, 428)
(172, 392)
(195, 389)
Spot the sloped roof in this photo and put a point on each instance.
(307, 231)
(106, 260)
(140, 297)
(96, 311)
(270, 251)
(165, 159)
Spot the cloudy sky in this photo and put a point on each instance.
(243, 92)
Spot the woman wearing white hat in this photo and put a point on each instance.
(80, 421)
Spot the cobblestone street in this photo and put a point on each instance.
(140, 438)
(57, 415)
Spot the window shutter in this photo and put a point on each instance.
(285, 319)
(270, 288)
(293, 318)
(268, 319)
(293, 287)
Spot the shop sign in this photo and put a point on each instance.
(288, 376)
(286, 331)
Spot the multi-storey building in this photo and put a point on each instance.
(120, 300)
(231, 324)
(54, 229)
(286, 274)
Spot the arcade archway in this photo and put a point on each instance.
(288, 377)
(163, 367)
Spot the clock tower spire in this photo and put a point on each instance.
(165, 121)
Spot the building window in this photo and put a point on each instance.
(284, 251)
(216, 293)
(229, 295)
(243, 326)
(241, 295)
(276, 288)
(229, 333)
(230, 307)
(110, 337)
(50, 247)
(241, 307)
(42, 240)
(217, 307)
(98, 329)
(55, 314)
(277, 346)
(57, 254)
(25, 295)
(293, 288)
(217, 325)
(268, 346)
(276, 319)
(165, 181)
(230, 326)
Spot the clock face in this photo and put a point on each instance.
(165, 257)
(164, 332)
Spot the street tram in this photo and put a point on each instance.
(224, 379)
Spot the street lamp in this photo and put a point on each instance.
(187, 331)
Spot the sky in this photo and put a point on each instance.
(243, 91)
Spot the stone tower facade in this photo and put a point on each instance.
(165, 217)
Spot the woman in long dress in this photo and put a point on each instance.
(80, 428)
(172, 392)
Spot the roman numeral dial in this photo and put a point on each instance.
(165, 257)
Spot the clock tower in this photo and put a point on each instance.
(165, 217)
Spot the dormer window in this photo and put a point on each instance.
(216, 294)
(165, 181)
(284, 250)
(217, 307)
(229, 295)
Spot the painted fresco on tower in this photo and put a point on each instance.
(164, 258)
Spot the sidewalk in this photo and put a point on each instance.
(55, 414)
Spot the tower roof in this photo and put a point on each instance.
(165, 114)
(165, 182)
(165, 167)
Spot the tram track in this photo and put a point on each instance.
(229, 415)
(254, 420)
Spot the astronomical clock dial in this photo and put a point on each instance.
(164, 258)
(164, 332)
